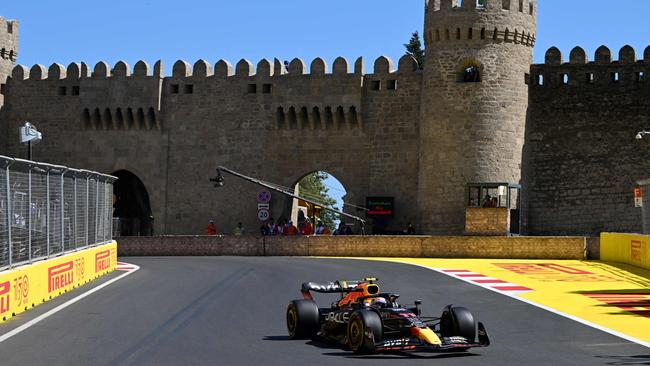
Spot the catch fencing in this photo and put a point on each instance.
(48, 210)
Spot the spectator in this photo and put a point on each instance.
(291, 229)
(280, 228)
(487, 201)
(211, 229)
(347, 230)
(410, 229)
(239, 230)
(306, 228)
(339, 230)
(495, 202)
(471, 203)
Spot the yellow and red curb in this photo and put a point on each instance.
(612, 297)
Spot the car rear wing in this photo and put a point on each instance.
(338, 287)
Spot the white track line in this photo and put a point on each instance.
(574, 318)
(34, 321)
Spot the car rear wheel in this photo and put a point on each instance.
(364, 331)
(303, 319)
(457, 321)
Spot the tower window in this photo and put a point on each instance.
(526, 78)
(640, 76)
(565, 79)
(10, 27)
(252, 88)
(266, 88)
(482, 33)
(438, 35)
(521, 6)
(480, 4)
(589, 77)
(63, 91)
(447, 34)
(2, 89)
(471, 74)
(531, 8)
(174, 88)
(75, 90)
(540, 80)
(458, 34)
(188, 89)
(391, 85)
(615, 77)
(470, 33)
(506, 4)
(375, 85)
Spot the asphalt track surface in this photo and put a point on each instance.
(230, 311)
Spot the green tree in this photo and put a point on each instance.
(414, 48)
(313, 187)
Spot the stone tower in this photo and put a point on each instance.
(8, 54)
(474, 102)
(8, 51)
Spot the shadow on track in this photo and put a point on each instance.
(627, 360)
(380, 356)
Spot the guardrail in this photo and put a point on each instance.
(48, 210)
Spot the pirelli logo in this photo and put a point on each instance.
(102, 261)
(5, 287)
(60, 276)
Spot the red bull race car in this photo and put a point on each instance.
(369, 321)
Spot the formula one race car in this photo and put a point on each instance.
(369, 321)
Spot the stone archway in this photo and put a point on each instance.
(131, 205)
(298, 211)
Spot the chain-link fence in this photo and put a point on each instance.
(47, 210)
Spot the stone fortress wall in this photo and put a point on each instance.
(582, 161)
(416, 135)
(269, 122)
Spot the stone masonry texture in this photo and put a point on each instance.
(396, 130)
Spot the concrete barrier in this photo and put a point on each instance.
(359, 246)
(631, 249)
(30, 285)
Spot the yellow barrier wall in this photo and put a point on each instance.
(25, 287)
(625, 248)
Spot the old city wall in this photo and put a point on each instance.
(274, 124)
(581, 158)
(265, 121)
(101, 121)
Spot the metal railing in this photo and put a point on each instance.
(48, 210)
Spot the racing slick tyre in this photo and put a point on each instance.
(303, 319)
(458, 321)
(364, 331)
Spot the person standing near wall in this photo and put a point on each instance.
(211, 229)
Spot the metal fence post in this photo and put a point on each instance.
(87, 209)
(96, 209)
(47, 214)
(74, 226)
(9, 220)
(29, 214)
(62, 214)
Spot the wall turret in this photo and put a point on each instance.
(8, 51)
(474, 101)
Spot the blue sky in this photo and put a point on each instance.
(74, 30)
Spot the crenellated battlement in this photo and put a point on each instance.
(603, 70)
(525, 7)
(222, 69)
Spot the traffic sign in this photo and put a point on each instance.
(264, 196)
(261, 206)
(263, 214)
(638, 197)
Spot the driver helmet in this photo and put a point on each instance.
(379, 302)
